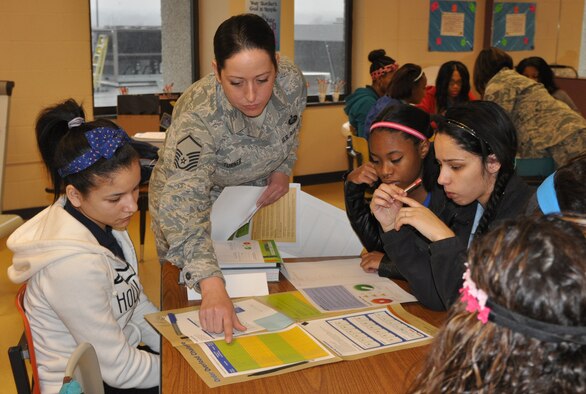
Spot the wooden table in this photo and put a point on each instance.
(384, 373)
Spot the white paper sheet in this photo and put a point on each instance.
(325, 231)
(339, 285)
(356, 295)
(240, 285)
(254, 315)
(363, 332)
(327, 272)
(232, 208)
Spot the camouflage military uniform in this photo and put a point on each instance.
(546, 127)
(210, 145)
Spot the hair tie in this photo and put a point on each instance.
(376, 74)
(103, 142)
(400, 127)
(477, 300)
(75, 122)
(547, 197)
(474, 298)
(419, 76)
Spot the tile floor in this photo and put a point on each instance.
(149, 271)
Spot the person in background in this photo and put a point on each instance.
(475, 148)
(400, 154)
(78, 260)
(520, 325)
(407, 87)
(237, 126)
(562, 191)
(452, 86)
(537, 69)
(382, 69)
(546, 127)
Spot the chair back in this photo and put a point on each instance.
(83, 366)
(356, 147)
(562, 70)
(534, 170)
(36, 387)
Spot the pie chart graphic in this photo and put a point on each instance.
(363, 287)
(381, 301)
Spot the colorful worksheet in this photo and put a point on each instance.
(292, 304)
(254, 315)
(363, 332)
(356, 295)
(265, 353)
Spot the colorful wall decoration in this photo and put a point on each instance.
(451, 26)
(513, 26)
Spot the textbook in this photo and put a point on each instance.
(236, 257)
(247, 254)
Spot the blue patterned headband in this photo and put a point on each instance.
(546, 196)
(103, 142)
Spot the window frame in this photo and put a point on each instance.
(112, 111)
(313, 100)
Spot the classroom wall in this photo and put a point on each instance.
(46, 50)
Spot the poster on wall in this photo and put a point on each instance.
(451, 26)
(270, 10)
(513, 26)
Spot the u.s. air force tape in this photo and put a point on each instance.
(187, 154)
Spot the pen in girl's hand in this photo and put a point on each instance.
(413, 185)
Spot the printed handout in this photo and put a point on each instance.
(363, 332)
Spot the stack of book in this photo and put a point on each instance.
(249, 256)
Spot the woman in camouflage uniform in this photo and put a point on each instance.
(237, 126)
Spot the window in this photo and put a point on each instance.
(126, 49)
(323, 43)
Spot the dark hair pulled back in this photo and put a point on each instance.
(59, 145)
(495, 134)
(240, 32)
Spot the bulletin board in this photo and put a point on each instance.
(451, 26)
(513, 26)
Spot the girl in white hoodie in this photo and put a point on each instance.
(78, 259)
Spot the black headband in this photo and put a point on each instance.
(470, 131)
(546, 332)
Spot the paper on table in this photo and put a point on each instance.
(325, 231)
(254, 315)
(362, 332)
(327, 272)
(292, 304)
(356, 295)
(290, 346)
(240, 285)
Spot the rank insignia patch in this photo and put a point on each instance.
(187, 154)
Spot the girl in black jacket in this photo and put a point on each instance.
(476, 147)
(400, 154)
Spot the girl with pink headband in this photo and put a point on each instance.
(400, 154)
